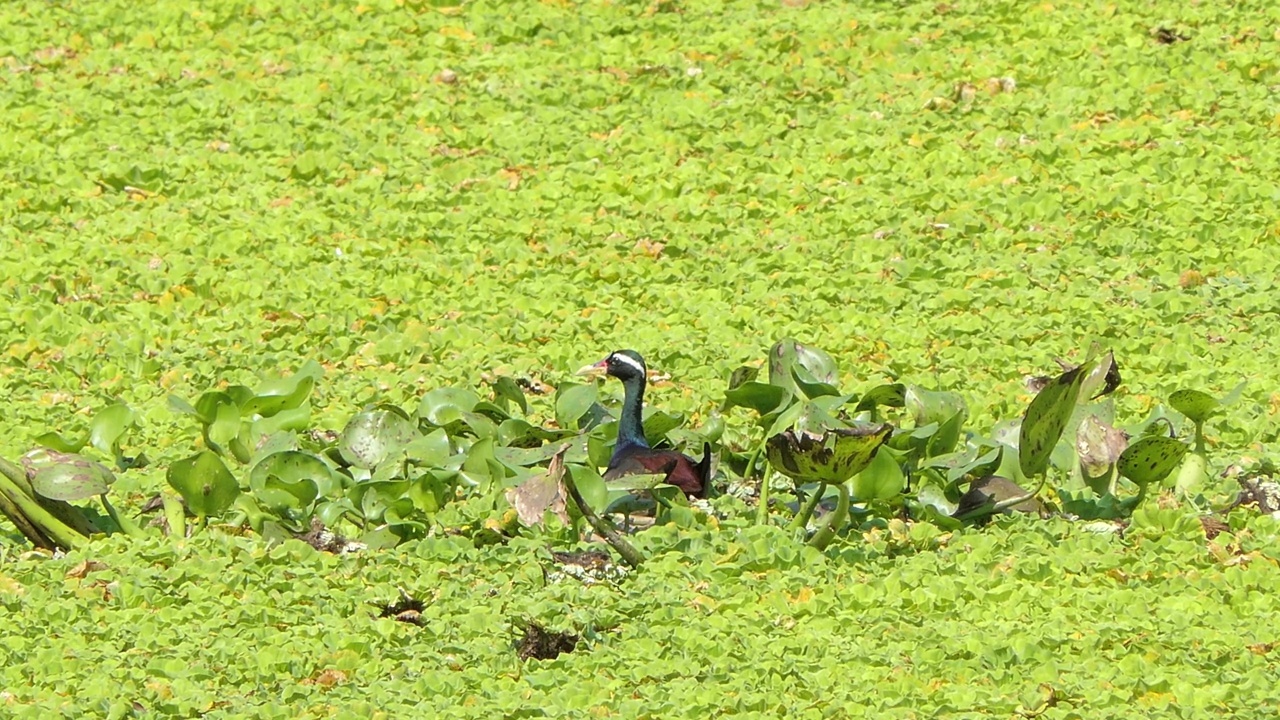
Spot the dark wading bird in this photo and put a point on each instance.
(632, 454)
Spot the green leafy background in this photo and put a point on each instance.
(416, 195)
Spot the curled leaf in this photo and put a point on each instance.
(833, 456)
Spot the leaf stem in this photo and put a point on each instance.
(834, 521)
(802, 517)
(606, 530)
(762, 511)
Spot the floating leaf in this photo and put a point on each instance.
(204, 483)
(831, 457)
(373, 436)
(1151, 458)
(1196, 405)
(1046, 417)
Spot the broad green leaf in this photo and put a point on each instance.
(590, 485)
(572, 402)
(831, 457)
(293, 466)
(109, 425)
(506, 390)
(809, 386)
(445, 406)
(64, 476)
(54, 441)
(1196, 405)
(279, 394)
(890, 395)
(881, 479)
(787, 355)
(761, 397)
(658, 423)
(205, 483)
(1150, 459)
(1046, 417)
(934, 406)
(743, 374)
(374, 436)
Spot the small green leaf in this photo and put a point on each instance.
(1151, 459)
(1197, 406)
(205, 483)
(54, 441)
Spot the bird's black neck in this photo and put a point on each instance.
(631, 424)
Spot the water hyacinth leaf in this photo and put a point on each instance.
(590, 485)
(67, 477)
(278, 395)
(889, 395)
(987, 491)
(225, 426)
(207, 405)
(506, 390)
(1196, 405)
(934, 497)
(433, 450)
(54, 441)
(810, 387)
(833, 456)
(1046, 418)
(882, 479)
(1103, 379)
(658, 423)
(1151, 458)
(743, 374)
(373, 436)
(293, 466)
(204, 483)
(287, 498)
(445, 406)
(109, 425)
(490, 411)
(1099, 446)
(934, 406)
(573, 402)
(787, 357)
(180, 406)
(764, 398)
(944, 440)
(293, 419)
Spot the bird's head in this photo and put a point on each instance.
(623, 364)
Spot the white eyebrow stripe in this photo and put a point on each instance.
(628, 361)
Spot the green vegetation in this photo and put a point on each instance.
(273, 267)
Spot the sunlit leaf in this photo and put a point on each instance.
(205, 483)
